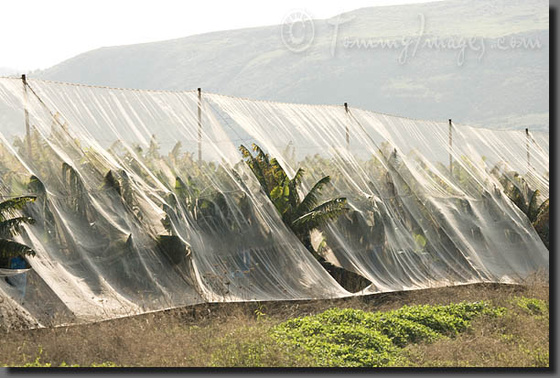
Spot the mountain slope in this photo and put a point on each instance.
(501, 82)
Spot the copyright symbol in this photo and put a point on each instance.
(297, 31)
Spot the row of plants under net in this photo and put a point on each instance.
(212, 197)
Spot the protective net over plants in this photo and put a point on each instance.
(423, 211)
(128, 220)
(143, 200)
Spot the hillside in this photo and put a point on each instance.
(496, 87)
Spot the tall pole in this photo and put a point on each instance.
(26, 114)
(528, 151)
(347, 131)
(450, 148)
(199, 126)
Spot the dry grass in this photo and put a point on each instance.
(519, 339)
(513, 341)
(236, 334)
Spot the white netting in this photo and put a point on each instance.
(412, 223)
(128, 219)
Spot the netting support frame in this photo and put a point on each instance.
(528, 138)
(347, 130)
(26, 114)
(450, 148)
(199, 90)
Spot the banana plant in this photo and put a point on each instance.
(301, 215)
(529, 201)
(10, 226)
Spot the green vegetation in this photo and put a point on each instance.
(532, 306)
(478, 325)
(37, 363)
(528, 200)
(354, 338)
(252, 346)
(520, 337)
(10, 226)
(300, 215)
(217, 198)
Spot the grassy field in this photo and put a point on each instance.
(483, 325)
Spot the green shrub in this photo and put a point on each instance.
(347, 337)
(532, 306)
(253, 347)
(37, 363)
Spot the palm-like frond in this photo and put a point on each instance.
(245, 152)
(320, 215)
(10, 248)
(275, 173)
(517, 197)
(255, 166)
(312, 198)
(543, 208)
(11, 206)
(533, 208)
(181, 188)
(541, 222)
(261, 154)
(293, 185)
(78, 195)
(175, 152)
(280, 196)
(11, 227)
(301, 216)
(297, 177)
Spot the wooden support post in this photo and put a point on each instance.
(26, 114)
(450, 148)
(347, 130)
(199, 126)
(528, 150)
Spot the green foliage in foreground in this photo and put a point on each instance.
(37, 363)
(456, 335)
(531, 306)
(253, 347)
(354, 338)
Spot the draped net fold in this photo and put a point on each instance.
(129, 220)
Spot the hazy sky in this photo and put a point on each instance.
(40, 33)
